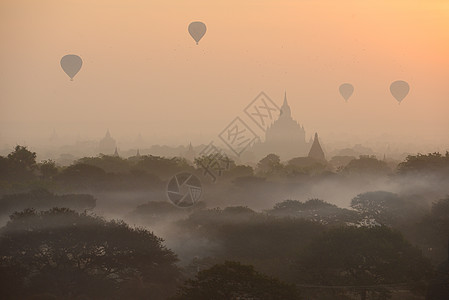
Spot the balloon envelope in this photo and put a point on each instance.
(399, 89)
(197, 30)
(71, 64)
(346, 90)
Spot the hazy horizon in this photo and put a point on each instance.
(143, 74)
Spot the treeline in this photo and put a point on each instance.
(19, 171)
(310, 250)
(41, 199)
(384, 245)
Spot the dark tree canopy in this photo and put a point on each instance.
(68, 254)
(19, 165)
(233, 281)
(41, 199)
(48, 169)
(269, 243)
(432, 162)
(89, 177)
(368, 165)
(350, 256)
(305, 165)
(82, 175)
(314, 210)
(162, 166)
(108, 163)
(161, 211)
(388, 208)
(21, 157)
(432, 232)
(269, 165)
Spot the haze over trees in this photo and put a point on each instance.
(68, 254)
(94, 229)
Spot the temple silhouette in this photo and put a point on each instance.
(316, 151)
(287, 138)
(107, 145)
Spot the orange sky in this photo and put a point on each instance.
(142, 72)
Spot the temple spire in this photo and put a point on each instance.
(285, 109)
(316, 151)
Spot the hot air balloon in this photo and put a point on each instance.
(399, 89)
(197, 30)
(71, 64)
(346, 90)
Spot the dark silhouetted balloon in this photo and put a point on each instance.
(71, 64)
(197, 30)
(399, 89)
(346, 90)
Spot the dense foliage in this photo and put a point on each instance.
(68, 254)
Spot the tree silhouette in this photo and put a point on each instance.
(23, 158)
(388, 208)
(68, 254)
(314, 210)
(19, 165)
(41, 199)
(232, 281)
(432, 162)
(82, 176)
(48, 169)
(269, 165)
(368, 165)
(162, 166)
(360, 257)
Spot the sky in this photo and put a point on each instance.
(143, 73)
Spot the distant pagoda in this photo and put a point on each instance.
(316, 151)
(116, 153)
(107, 144)
(190, 153)
(285, 137)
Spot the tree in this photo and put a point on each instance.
(108, 163)
(4, 168)
(153, 212)
(269, 243)
(269, 165)
(69, 254)
(388, 208)
(314, 210)
(23, 158)
(305, 165)
(232, 281)
(216, 164)
(339, 162)
(432, 231)
(439, 287)
(162, 166)
(368, 165)
(421, 163)
(239, 171)
(48, 169)
(361, 257)
(41, 199)
(82, 176)
(19, 165)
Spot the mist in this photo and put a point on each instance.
(175, 150)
